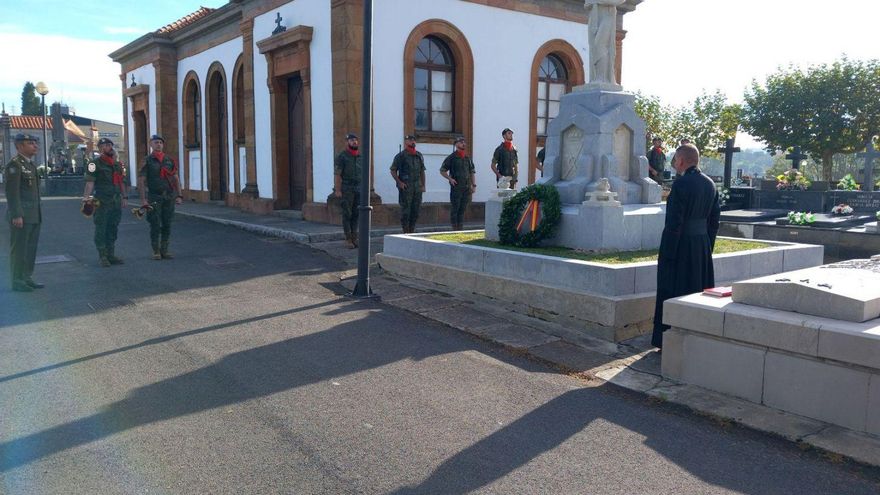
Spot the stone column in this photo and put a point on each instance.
(166, 99)
(247, 68)
(618, 64)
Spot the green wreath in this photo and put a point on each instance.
(548, 196)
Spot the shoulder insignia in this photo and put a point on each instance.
(11, 169)
(92, 167)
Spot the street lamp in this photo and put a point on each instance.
(44, 90)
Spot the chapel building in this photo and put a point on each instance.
(256, 97)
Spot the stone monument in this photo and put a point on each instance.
(596, 139)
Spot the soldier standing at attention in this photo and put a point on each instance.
(23, 212)
(158, 182)
(105, 180)
(458, 169)
(408, 171)
(505, 161)
(347, 187)
(657, 160)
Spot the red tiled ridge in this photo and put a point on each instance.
(29, 122)
(185, 20)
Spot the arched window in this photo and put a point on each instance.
(552, 84)
(434, 86)
(196, 110)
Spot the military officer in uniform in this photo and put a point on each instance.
(505, 162)
(408, 171)
(458, 169)
(23, 212)
(347, 187)
(105, 182)
(160, 191)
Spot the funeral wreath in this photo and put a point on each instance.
(848, 183)
(792, 180)
(842, 209)
(545, 207)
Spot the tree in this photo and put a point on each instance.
(707, 121)
(824, 109)
(30, 102)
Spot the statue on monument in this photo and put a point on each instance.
(603, 42)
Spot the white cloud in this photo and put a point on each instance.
(77, 70)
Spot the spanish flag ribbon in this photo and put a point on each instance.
(530, 217)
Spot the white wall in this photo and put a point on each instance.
(503, 43)
(314, 13)
(145, 74)
(226, 53)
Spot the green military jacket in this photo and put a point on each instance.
(109, 178)
(410, 168)
(507, 160)
(348, 167)
(22, 190)
(459, 168)
(160, 175)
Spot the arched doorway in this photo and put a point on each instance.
(218, 149)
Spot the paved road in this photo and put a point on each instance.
(238, 368)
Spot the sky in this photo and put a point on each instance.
(674, 49)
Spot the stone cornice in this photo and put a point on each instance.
(292, 36)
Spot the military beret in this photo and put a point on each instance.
(459, 139)
(409, 137)
(23, 136)
(506, 130)
(157, 137)
(104, 140)
(351, 135)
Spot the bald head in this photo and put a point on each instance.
(688, 154)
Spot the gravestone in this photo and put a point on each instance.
(860, 201)
(849, 291)
(869, 156)
(790, 200)
(796, 157)
(826, 221)
(729, 149)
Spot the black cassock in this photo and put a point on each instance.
(685, 259)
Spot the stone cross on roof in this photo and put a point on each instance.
(869, 155)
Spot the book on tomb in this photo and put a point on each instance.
(719, 291)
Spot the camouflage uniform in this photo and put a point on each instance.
(410, 167)
(160, 178)
(459, 168)
(348, 167)
(108, 174)
(23, 200)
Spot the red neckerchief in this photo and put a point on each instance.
(460, 153)
(159, 156)
(508, 145)
(117, 172)
(659, 149)
(165, 172)
(411, 150)
(353, 152)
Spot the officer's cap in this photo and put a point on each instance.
(104, 141)
(157, 137)
(23, 136)
(506, 130)
(351, 135)
(409, 137)
(459, 139)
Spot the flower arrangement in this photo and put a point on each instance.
(848, 183)
(792, 180)
(800, 218)
(842, 209)
(877, 215)
(723, 196)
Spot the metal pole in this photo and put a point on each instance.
(45, 139)
(362, 288)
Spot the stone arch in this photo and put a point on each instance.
(192, 123)
(239, 134)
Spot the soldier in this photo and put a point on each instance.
(23, 212)
(105, 181)
(458, 169)
(657, 160)
(408, 171)
(505, 161)
(158, 176)
(347, 187)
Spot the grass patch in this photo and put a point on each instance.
(614, 258)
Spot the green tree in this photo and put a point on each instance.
(30, 102)
(658, 118)
(824, 109)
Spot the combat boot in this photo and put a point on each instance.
(102, 258)
(354, 239)
(112, 258)
(164, 252)
(349, 243)
(156, 254)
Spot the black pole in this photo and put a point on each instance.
(45, 137)
(362, 288)
(728, 162)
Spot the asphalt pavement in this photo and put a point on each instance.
(240, 367)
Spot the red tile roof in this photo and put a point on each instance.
(185, 20)
(29, 122)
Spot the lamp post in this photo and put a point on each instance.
(44, 90)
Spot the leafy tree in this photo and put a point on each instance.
(824, 109)
(30, 102)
